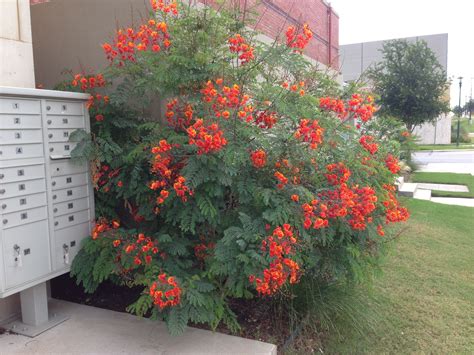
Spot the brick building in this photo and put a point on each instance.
(68, 35)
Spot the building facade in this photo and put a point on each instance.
(358, 57)
(68, 35)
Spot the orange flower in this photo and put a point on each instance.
(259, 158)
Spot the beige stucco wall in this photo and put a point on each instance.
(68, 34)
(16, 51)
(16, 69)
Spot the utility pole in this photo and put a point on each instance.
(470, 104)
(459, 114)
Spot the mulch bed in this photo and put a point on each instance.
(257, 317)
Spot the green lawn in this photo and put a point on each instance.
(424, 301)
(447, 178)
(465, 123)
(444, 146)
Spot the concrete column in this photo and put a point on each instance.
(16, 69)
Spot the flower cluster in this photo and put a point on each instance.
(259, 158)
(295, 87)
(169, 175)
(392, 164)
(298, 40)
(337, 173)
(368, 143)
(360, 107)
(238, 45)
(165, 292)
(142, 249)
(150, 36)
(393, 211)
(315, 215)
(95, 100)
(281, 269)
(102, 226)
(87, 82)
(310, 132)
(163, 6)
(208, 139)
(102, 176)
(224, 98)
(265, 119)
(177, 116)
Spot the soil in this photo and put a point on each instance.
(258, 318)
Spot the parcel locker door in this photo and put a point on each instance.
(67, 243)
(26, 253)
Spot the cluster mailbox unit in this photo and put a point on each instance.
(46, 198)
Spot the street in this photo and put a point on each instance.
(461, 161)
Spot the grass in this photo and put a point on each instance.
(465, 124)
(424, 301)
(447, 178)
(444, 146)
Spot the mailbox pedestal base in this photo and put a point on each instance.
(34, 313)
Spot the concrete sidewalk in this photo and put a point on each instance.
(93, 330)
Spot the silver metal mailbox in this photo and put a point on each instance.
(46, 200)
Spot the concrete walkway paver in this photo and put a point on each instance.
(457, 201)
(443, 187)
(93, 330)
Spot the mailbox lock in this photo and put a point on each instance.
(4, 206)
(2, 191)
(66, 247)
(2, 176)
(51, 149)
(49, 121)
(48, 108)
(50, 135)
(5, 221)
(54, 197)
(53, 183)
(55, 210)
(56, 223)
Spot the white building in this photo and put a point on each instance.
(358, 57)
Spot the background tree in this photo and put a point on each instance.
(410, 82)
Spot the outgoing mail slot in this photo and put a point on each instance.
(22, 202)
(59, 135)
(10, 220)
(20, 106)
(68, 181)
(61, 149)
(21, 188)
(8, 152)
(21, 136)
(67, 167)
(20, 121)
(70, 238)
(20, 173)
(69, 220)
(62, 208)
(30, 242)
(64, 108)
(70, 194)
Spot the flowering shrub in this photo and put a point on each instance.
(252, 180)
